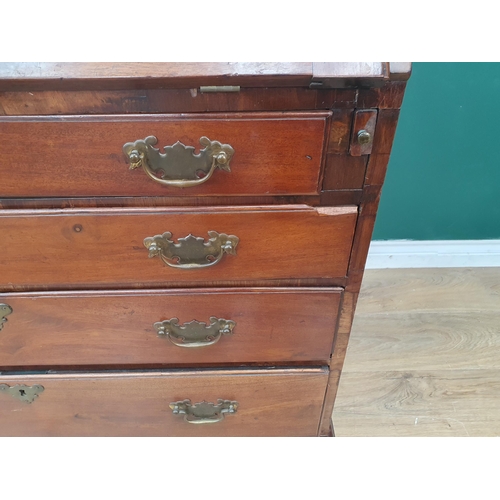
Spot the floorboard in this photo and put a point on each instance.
(424, 355)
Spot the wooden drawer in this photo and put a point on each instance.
(278, 402)
(105, 247)
(65, 156)
(47, 330)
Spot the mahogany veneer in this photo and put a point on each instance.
(279, 402)
(262, 325)
(276, 153)
(109, 328)
(62, 249)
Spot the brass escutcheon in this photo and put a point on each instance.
(192, 251)
(204, 412)
(5, 310)
(178, 166)
(23, 392)
(195, 333)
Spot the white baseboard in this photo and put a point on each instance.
(445, 253)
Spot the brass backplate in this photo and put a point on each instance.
(195, 333)
(25, 393)
(5, 310)
(204, 412)
(191, 251)
(179, 165)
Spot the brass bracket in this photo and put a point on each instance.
(191, 251)
(204, 412)
(23, 392)
(219, 88)
(195, 333)
(5, 310)
(178, 166)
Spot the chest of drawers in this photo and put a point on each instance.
(183, 244)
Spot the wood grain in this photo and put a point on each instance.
(427, 340)
(341, 342)
(350, 69)
(361, 246)
(68, 76)
(376, 170)
(389, 96)
(349, 74)
(71, 248)
(271, 403)
(96, 76)
(385, 131)
(335, 98)
(431, 290)
(427, 403)
(273, 325)
(340, 131)
(423, 357)
(172, 101)
(275, 154)
(344, 172)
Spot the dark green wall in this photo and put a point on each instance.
(443, 180)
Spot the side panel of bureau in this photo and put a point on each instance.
(58, 248)
(270, 403)
(285, 325)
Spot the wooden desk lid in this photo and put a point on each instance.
(102, 76)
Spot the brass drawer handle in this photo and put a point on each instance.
(23, 392)
(191, 251)
(195, 333)
(204, 412)
(5, 310)
(179, 166)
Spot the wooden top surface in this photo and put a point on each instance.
(97, 76)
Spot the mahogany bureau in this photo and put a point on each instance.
(182, 245)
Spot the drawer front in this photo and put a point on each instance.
(273, 154)
(96, 247)
(268, 403)
(152, 327)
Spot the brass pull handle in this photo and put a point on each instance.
(5, 310)
(23, 392)
(179, 166)
(191, 251)
(204, 412)
(195, 333)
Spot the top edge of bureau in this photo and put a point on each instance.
(26, 76)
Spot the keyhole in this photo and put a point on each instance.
(22, 392)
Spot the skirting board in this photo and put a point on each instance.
(445, 253)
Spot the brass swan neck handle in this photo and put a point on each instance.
(178, 166)
(195, 333)
(191, 252)
(204, 412)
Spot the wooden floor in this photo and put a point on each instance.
(424, 355)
